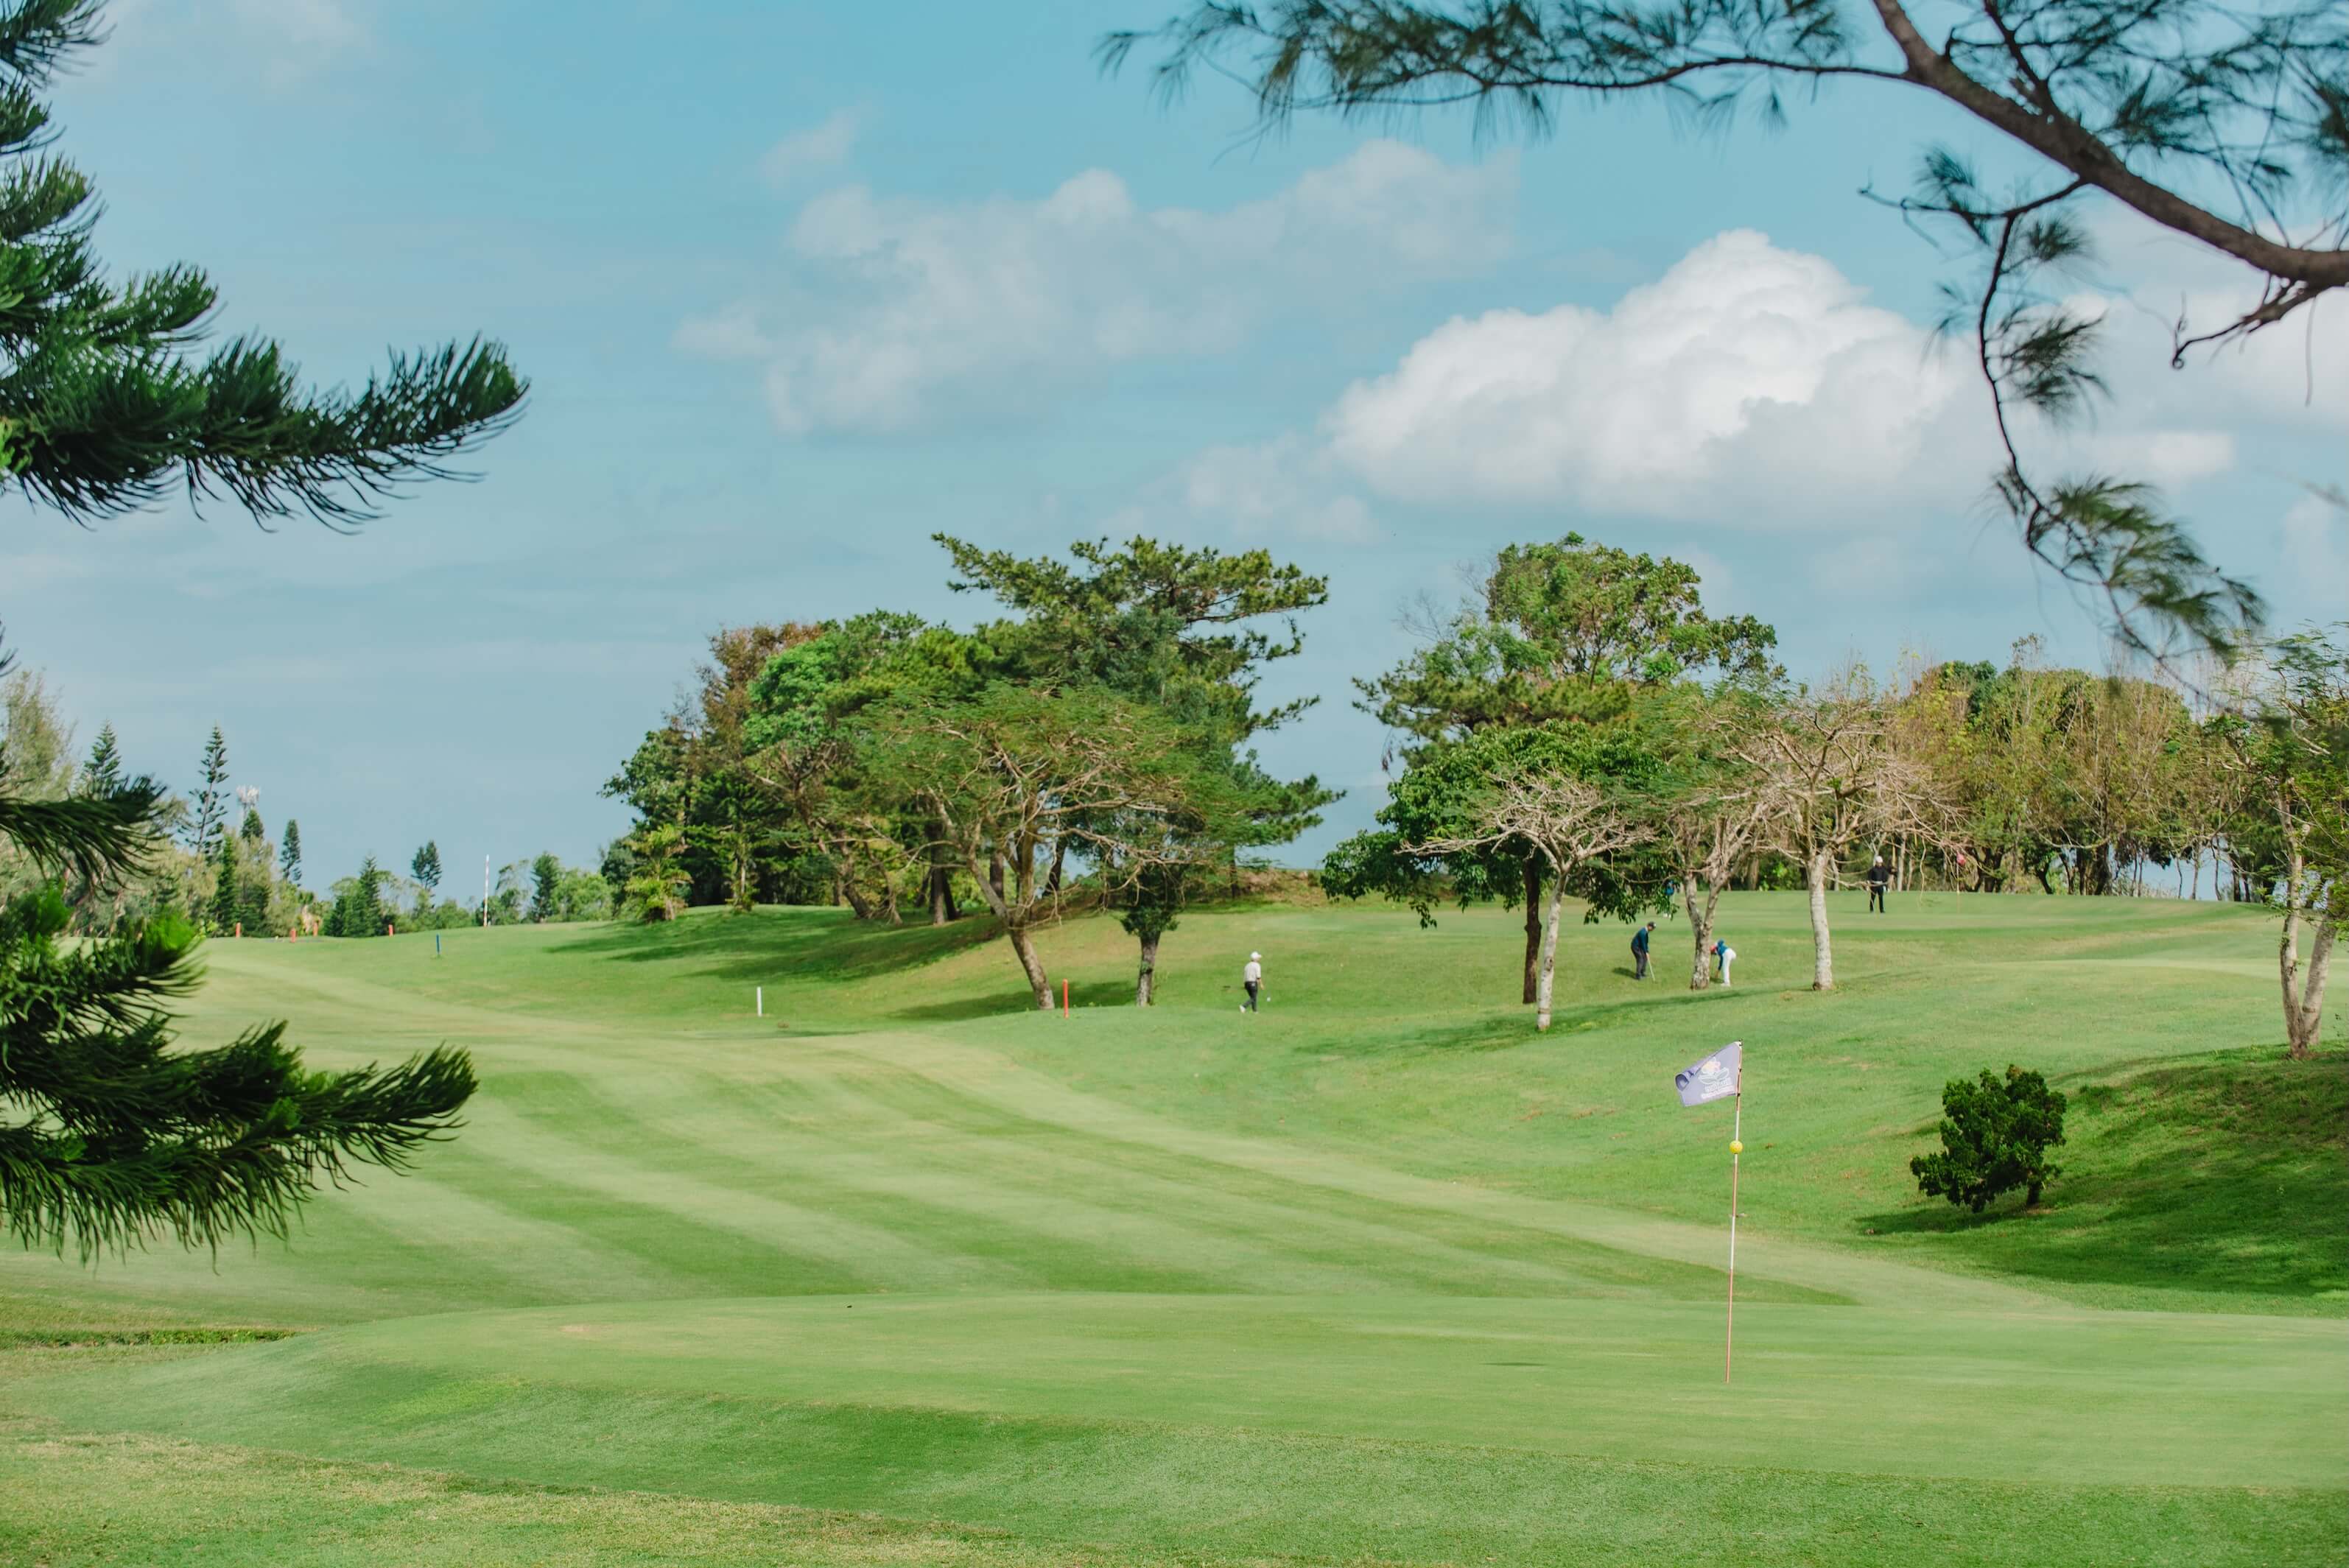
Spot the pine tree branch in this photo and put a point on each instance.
(95, 837)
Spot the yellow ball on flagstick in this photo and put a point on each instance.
(1735, 1146)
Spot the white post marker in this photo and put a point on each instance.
(1722, 1076)
(761, 992)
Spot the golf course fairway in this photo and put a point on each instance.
(900, 1272)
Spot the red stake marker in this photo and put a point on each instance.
(1064, 998)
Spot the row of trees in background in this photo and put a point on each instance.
(1583, 729)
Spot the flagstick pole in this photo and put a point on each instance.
(1736, 1148)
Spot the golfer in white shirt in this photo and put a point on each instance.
(1252, 977)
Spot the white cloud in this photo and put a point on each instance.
(893, 312)
(1747, 378)
(1749, 387)
(825, 145)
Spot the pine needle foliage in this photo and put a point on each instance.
(106, 406)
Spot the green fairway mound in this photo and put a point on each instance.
(1338, 1426)
(2220, 1178)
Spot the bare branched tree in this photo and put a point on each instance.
(1833, 778)
(1569, 822)
(2289, 748)
(1016, 778)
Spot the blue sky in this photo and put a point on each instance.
(799, 286)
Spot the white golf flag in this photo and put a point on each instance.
(1715, 1077)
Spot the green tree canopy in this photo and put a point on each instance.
(1441, 798)
(1564, 637)
(545, 887)
(1162, 622)
(1566, 630)
(106, 406)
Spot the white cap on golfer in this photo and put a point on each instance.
(1256, 955)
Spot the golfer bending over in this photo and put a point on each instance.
(1724, 955)
(1640, 951)
(1252, 977)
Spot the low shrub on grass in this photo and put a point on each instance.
(1994, 1137)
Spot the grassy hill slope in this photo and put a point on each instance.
(1379, 1273)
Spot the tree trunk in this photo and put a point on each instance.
(1822, 950)
(942, 906)
(846, 886)
(1533, 927)
(1550, 952)
(1059, 853)
(1147, 980)
(995, 873)
(2303, 998)
(2311, 1028)
(1032, 966)
(1700, 928)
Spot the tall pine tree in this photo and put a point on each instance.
(426, 869)
(358, 910)
(546, 886)
(210, 818)
(289, 853)
(224, 902)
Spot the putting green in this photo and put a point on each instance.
(2230, 1401)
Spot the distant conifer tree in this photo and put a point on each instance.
(102, 774)
(210, 818)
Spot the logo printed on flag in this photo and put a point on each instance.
(1715, 1077)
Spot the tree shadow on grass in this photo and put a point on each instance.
(2224, 1173)
(1014, 999)
(775, 943)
